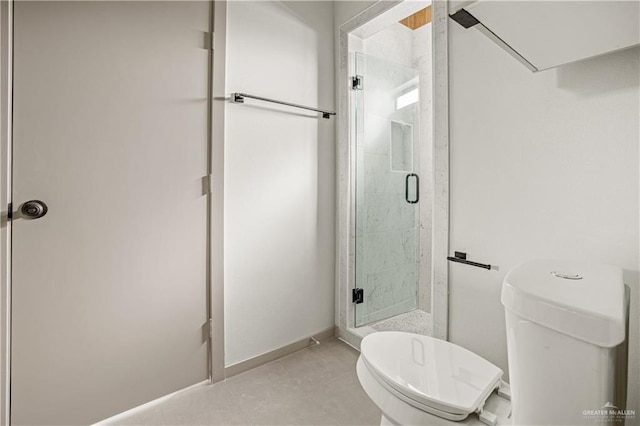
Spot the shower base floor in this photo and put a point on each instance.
(416, 321)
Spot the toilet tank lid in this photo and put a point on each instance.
(581, 300)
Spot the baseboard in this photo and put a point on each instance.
(146, 405)
(267, 357)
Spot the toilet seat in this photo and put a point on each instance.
(432, 375)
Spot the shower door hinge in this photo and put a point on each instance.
(210, 328)
(10, 211)
(357, 295)
(357, 82)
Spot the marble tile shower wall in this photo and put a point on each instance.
(386, 224)
(394, 44)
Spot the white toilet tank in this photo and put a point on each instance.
(566, 340)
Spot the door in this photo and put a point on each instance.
(109, 291)
(387, 188)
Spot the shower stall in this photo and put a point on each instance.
(387, 188)
(393, 169)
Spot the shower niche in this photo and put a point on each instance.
(401, 148)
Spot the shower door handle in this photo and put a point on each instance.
(406, 188)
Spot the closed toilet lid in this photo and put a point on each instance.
(430, 371)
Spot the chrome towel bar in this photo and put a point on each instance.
(238, 98)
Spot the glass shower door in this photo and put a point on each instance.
(386, 188)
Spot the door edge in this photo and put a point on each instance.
(6, 107)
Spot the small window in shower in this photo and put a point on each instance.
(401, 147)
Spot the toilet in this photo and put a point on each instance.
(565, 321)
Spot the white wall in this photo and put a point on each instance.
(279, 177)
(542, 165)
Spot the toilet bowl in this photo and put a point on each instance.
(565, 321)
(420, 380)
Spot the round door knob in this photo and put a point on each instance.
(34, 209)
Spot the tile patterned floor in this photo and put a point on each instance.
(315, 386)
(416, 321)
